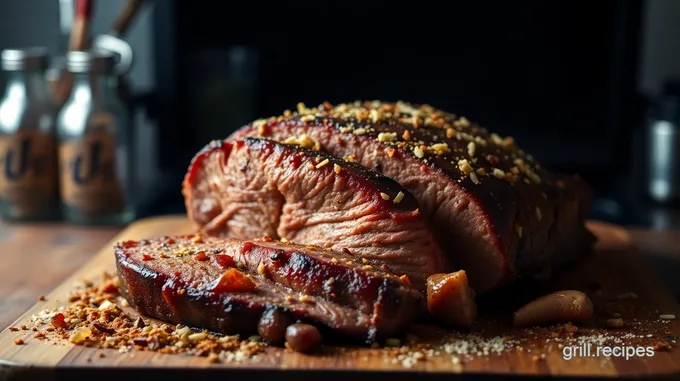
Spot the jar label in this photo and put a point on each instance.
(28, 182)
(89, 178)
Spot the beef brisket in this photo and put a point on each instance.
(225, 285)
(254, 187)
(498, 211)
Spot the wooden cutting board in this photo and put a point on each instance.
(615, 269)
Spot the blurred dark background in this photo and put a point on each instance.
(570, 80)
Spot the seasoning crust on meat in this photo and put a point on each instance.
(499, 214)
(226, 286)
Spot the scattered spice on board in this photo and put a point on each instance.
(97, 316)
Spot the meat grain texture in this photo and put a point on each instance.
(497, 212)
(254, 187)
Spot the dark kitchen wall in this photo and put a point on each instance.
(660, 56)
(560, 76)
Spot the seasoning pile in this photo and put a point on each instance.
(95, 316)
(464, 347)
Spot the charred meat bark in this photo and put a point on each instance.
(227, 285)
(500, 214)
(254, 187)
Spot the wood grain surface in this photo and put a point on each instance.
(615, 266)
(37, 257)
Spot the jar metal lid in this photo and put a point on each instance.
(90, 62)
(34, 58)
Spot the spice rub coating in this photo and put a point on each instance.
(500, 214)
(226, 285)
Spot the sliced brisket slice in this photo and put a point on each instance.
(190, 280)
(500, 214)
(255, 187)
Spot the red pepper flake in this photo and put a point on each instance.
(405, 279)
(13, 329)
(128, 244)
(18, 341)
(232, 281)
(168, 240)
(325, 106)
(146, 257)
(223, 260)
(41, 298)
(58, 321)
(493, 160)
(246, 247)
(200, 256)
(110, 288)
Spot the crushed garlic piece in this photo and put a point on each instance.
(465, 166)
(440, 148)
(471, 148)
(385, 137)
(496, 138)
(322, 163)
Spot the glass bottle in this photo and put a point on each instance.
(28, 146)
(662, 140)
(95, 150)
